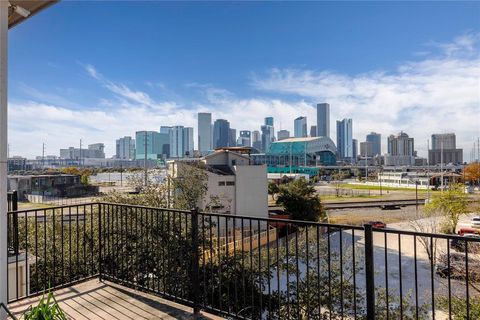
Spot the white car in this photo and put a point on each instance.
(475, 222)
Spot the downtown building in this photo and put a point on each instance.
(375, 139)
(181, 142)
(300, 127)
(444, 149)
(151, 145)
(221, 133)
(323, 120)
(268, 133)
(400, 150)
(93, 151)
(256, 140)
(283, 134)
(244, 140)
(125, 148)
(345, 140)
(205, 133)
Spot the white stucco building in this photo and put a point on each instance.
(238, 186)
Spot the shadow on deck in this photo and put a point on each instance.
(107, 300)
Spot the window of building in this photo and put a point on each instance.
(230, 183)
(221, 183)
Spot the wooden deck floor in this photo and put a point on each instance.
(107, 300)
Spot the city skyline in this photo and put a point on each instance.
(421, 83)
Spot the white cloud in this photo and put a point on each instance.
(437, 94)
(433, 94)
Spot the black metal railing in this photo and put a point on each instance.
(248, 267)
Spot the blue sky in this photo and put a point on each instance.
(101, 70)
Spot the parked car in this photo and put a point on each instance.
(465, 230)
(378, 224)
(457, 268)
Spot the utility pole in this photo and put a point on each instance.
(80, 154)
(43, 154)
(145, 158)
(441, 162)
(428, 170)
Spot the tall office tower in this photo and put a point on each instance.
(400, 145)
(444, 149)
(354, 149)
(447, 139)
(256, 140)
(366, 149)
(269, 121)
(268, 133)
(267, 138)
(344, 139)
(221, 132)
(125, 148)
(165, 129)
(96, 150)
(232, 137)
(176, 142)
(376, 140)
(300, 127)
(283, 134)
(400, 150)
(188, 146)
(313, 131)
(204, 132)
(244, 140)
(153, 142)
(323, 120)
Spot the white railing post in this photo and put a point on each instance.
(3, 153)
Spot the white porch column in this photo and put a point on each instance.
(3, 151)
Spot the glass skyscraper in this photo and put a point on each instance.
(204, 132)
(345, 139)
(221, 133)
(300, 127)
(376, 140)
(323, 120)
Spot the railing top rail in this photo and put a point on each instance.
(264, 219)
(52, 207)
(425, 234)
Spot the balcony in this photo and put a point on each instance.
(241, 267)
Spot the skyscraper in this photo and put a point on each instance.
(232, 137)
(344, 139)
(221, 132)
(269, 121)
(323, 120)
(244, 140)
(151, 141)
(376, 147)
(447, 139)
(165, 129)
(354, 149)
(283, 134)
(176, 142)
(313, 131)
(188, 146)
(300, 127)
(366, 149)
(125, 148)
(444, 149)
(400, 150)
(204, 132)
(256, 140)
(268, 133)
